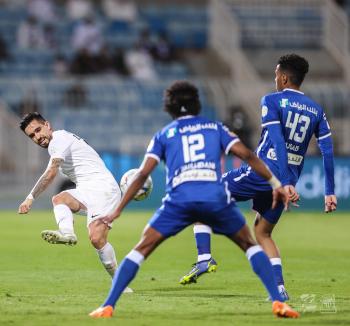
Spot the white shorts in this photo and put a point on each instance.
(97, 203)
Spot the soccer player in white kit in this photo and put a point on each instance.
(97, 193)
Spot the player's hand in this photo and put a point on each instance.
(330, 203)
(292, 194)
(108, 219)
(280, 195)
(25, 207)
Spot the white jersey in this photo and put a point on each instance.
(82, 165)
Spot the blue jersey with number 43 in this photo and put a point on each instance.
(191, 148)
(300, 118)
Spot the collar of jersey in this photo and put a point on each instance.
(185, 117)
(292, 90)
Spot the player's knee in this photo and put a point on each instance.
(262, 235)
(97, 241)
(58, 199)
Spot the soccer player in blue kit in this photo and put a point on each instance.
(191, 148)
(289, 120)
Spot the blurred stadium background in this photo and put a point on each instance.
(99, 68)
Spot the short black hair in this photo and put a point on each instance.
(296, 67)
(29, 117)
(182, 98)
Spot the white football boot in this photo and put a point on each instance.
(57, 237)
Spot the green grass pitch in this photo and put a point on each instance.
(42, 284)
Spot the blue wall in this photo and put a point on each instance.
(310, 185)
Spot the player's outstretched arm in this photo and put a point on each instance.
(44, 181)
(279, 194)
(326, 148)
(147, 166)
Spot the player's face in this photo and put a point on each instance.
(279, 79)
(40, 132)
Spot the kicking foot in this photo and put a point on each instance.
(57, 237)
(281, 309)
(102, 312)
(199, 268)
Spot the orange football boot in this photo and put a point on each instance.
(281, 309)
(102, 312)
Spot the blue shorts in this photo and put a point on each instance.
(244, 184)
(223, 218)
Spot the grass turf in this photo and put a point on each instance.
(42, 284)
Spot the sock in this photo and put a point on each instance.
(262, 267)
(277, 270)
(108, 259)
(202, 235)
(124, 275)
(64, 218)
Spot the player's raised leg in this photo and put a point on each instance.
(262, 267)
(205, 263)
(263, 230)
(63, 206)
(127, 270)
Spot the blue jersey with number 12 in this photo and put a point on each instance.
(300, 118)
(191, 148)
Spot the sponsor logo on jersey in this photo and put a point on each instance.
(195, 175)
(293, 159)
(304, 107)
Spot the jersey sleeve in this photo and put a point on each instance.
(323, 129)
(59, 146)
(269, 112)
(227, 138)
(155, 148)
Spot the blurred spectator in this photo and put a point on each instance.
(42, 10)
(103, 60)
(50, 41)
(140, 64)
(87, 36)
(145, 42)
(60, 66)
(239, 124)
(75, 97)
(163, 50)
(78, 9)
(4, 55)
(30, 34)
(83, 64)
(28, 104)
(120, 11)
(118, 62)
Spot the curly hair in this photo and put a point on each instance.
(182, 98)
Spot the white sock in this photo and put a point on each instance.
(136, 257)
(64, 218)
(108, 259)
(276, 261)
(201, 228)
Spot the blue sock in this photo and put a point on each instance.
(277, 270)
(124, 274)
(262, 267)
(202, 235)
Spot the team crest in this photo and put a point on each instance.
(264, 110)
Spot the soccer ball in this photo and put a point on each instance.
(126, 180)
